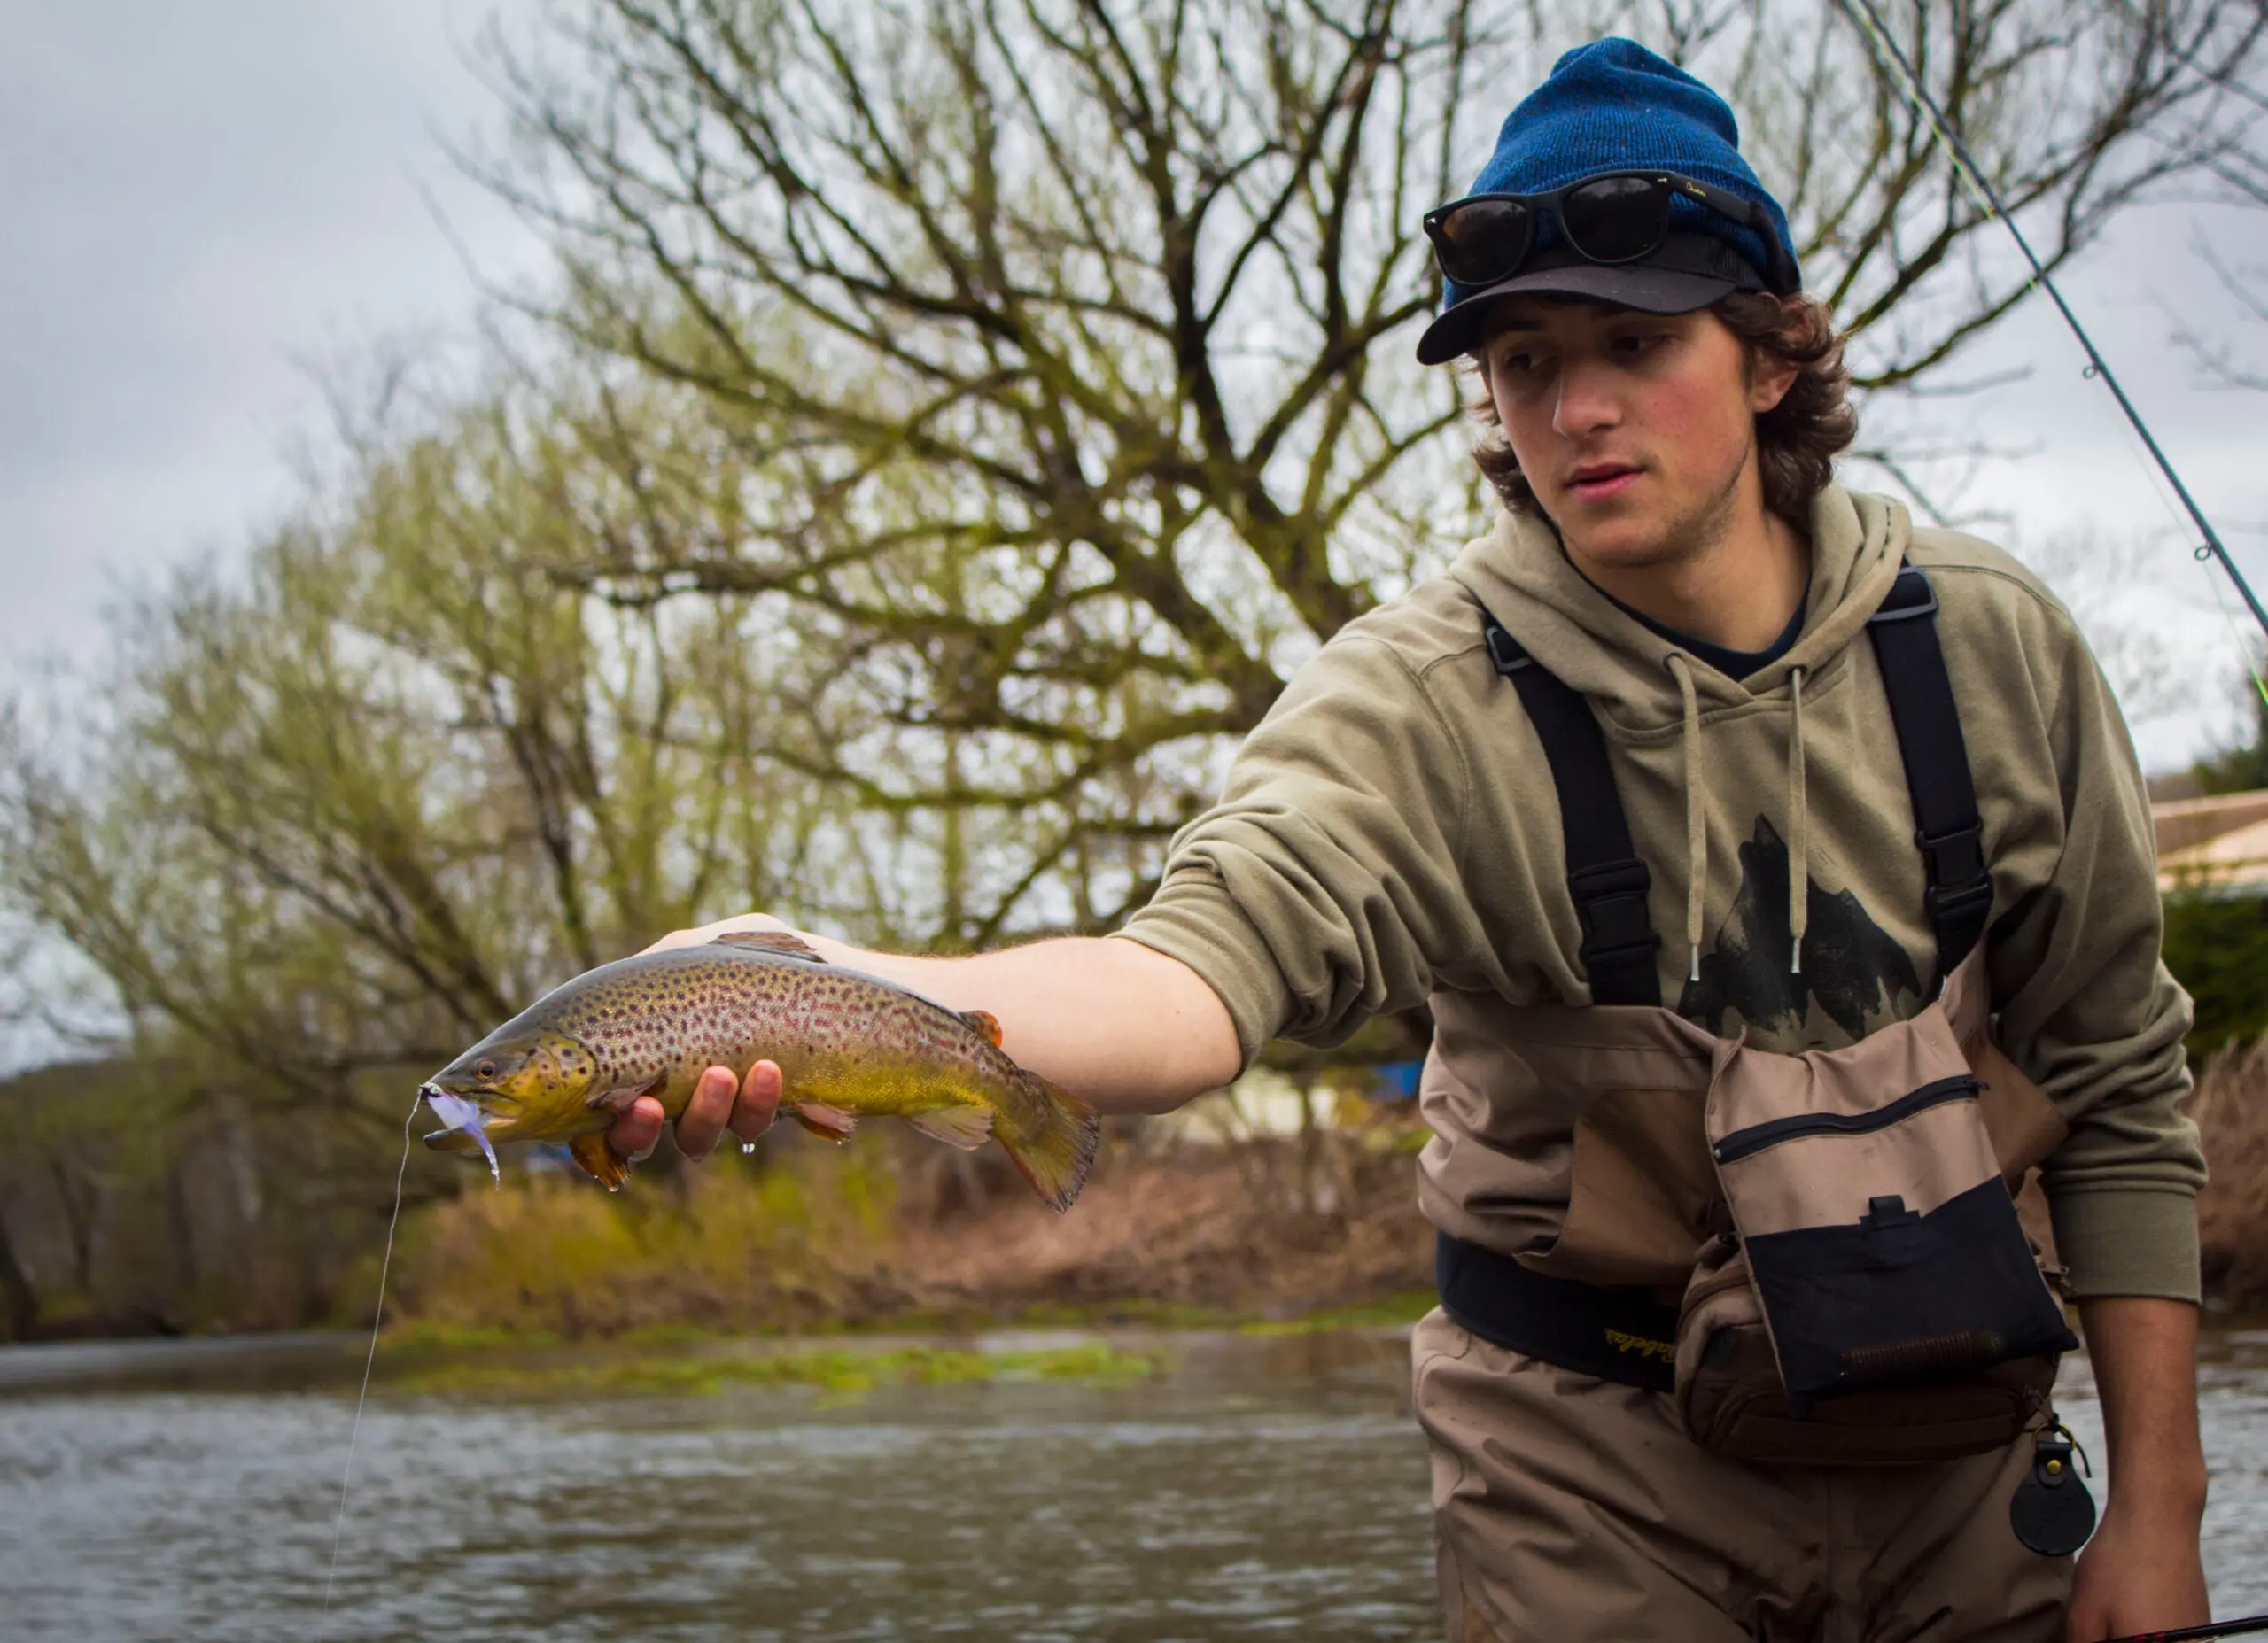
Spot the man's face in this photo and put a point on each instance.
(1636, 431)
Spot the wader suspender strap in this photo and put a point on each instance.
(1604, 875)
(1948, 829)
(1609, 882)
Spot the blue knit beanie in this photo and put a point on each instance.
(1614, 105)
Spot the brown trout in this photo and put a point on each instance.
(849, 1045)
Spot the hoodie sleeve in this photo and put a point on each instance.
(2087, 1009)
(1325, 885)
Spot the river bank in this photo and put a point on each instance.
(894, 1232)
(1181, 1224)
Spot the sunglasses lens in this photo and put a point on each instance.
(1482, 241)
(1616, 219)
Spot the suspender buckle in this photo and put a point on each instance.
(1611, 901)
(1960, 895)
(1948, 903)
(1955, 860)
(1912, 597)
(1504, 651)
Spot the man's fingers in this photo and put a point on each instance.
(705, 1115)
(720, 1102)
(633, 1134)
(699, 933)
(759, 1101)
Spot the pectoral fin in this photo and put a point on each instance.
(966, 1127)
(619, 1101)
(829, 1123)
(604, 1165)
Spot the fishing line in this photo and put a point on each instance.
(2199, 1634)
(1971, 177)
(369, 1359)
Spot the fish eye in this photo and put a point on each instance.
(485, 1070)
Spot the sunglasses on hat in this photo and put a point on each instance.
(1615, 216)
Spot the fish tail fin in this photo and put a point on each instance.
(1055, 1149)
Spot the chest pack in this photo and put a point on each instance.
(1866, 1293)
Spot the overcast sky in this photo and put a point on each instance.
(197, 198)
(194, 201)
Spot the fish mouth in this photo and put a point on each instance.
(496, 1107)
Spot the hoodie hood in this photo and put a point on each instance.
(1520, 572)
(1639, 682)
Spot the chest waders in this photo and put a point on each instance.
(1818, 1254)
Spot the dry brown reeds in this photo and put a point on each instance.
(2231, 1108)
(813, 1237)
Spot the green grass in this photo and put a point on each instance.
(1390, 1313)
(419, 1335)
(843, 1373)
(1123, 1314)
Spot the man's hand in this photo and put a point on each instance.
(700, 934)
(2141, 1572)
(2138, 1574)
(720, 1102)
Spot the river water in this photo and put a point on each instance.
(1269, 1487)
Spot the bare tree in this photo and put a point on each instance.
(1067, 342)
(2071, 110)
(349, 812)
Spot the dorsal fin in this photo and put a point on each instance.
(783, 942)
(985, 1022)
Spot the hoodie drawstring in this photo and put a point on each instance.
(1799, 826)
(1696, 820)
(1696, 816)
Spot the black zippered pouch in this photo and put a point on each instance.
(1881, 1237)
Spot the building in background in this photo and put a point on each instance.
(2213, 845)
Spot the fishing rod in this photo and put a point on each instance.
(1863, 15)
(2200, 1634)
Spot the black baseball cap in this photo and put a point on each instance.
(1685, 272)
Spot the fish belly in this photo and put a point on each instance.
(877, 1087)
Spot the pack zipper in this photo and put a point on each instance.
(1743, 1143)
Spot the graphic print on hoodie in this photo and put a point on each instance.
(1852, 969)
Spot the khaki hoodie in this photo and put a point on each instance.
(1392, 830)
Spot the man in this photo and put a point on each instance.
(1676, 586)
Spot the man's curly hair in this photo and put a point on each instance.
(1797, 440)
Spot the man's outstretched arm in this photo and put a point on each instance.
(1119, 1023)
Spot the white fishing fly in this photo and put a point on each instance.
(456, 1113)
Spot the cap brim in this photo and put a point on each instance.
(1642, 286)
